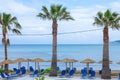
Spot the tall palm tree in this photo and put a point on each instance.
(108, 20)
(8, 23)
(56, 12)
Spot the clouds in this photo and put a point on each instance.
(83, 15)
(14, 7)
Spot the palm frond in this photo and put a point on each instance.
(108, 18)
(46, 12)
(114, 14)
(66, 16)
(17, 25)
(57, 12)
(14, 19)
(16, 31)
(41, 15)
(8, 22)
(100, 15)
(6, 19)
(107, 14)
(97, 21)
(1, 18)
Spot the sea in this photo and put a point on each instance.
(73, 51)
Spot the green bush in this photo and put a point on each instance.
(47, 70)
(1, 70)
(10, 70)
(114, 74)
(42, 78)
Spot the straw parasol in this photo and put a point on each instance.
(87, 61)
(19, 60)
(67, 60)
(7, 62)
(118, 62)
(1, 64)
(38, 60)
(100, 62)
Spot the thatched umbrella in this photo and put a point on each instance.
(73, 60)
(67, 60)
(118, 62)
(100, 62)
(87, 61)
(7, 62)
(19, 60)
(1, 64)
(38, 60)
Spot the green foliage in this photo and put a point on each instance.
(10, 70)
(42, 78)
(114, 74)
(107, 19)
(56, 12)
(1, 70)
(47, 70)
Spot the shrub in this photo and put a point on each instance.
(47, 70)
(42, 78)
(1, 70)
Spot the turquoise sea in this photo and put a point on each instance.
(75, 51)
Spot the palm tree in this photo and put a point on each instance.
(107, 19)
(8, 23)
(57, 12)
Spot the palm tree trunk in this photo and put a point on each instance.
(54, 49)
(5, 49)
(106, 74)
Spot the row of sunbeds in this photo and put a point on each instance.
(35, 73)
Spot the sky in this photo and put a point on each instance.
(83, 11)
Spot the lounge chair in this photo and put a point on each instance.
(23, 72)
(92, 75)
(74, 69)
(31, 69)
(17, 72)
(84, 73)
(35, 74)
(5, 77)
(71, 73)
(7, 74)
(68, 70)
(62, 73)
(91, 69)
(41, 71)
(57, 68)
